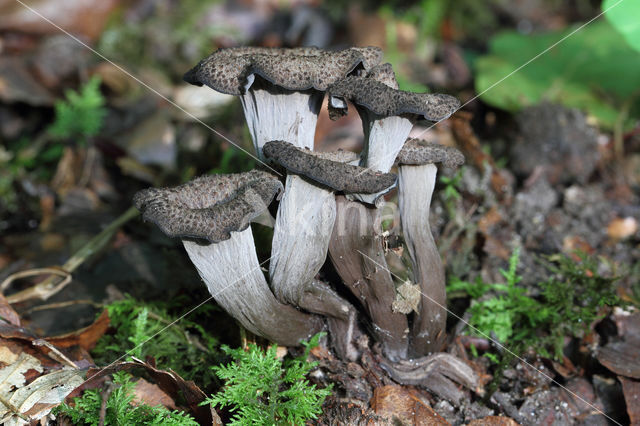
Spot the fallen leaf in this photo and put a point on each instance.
(86, 337)
(171, 383)
(621, 358)
(496, 247)
(408, 298)
(75, 345)
(621, 228)
(84, 18)
(489, 220)
(199, 103)
(573, 243)
(18, 85)
(631, 391)
(22, 403)
(8, 313)
(628, 325)
(151, 394)
(493, 421)
(565, 368)
(152, 142)
(404, 406)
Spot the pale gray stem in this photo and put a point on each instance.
(274, 113)
(231, 271)
(415, 188)
(299, 249)
(384, 137)
(301, 237)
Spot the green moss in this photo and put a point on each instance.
(85, 410)
(261, 389)
(143, 329)
(570, 300)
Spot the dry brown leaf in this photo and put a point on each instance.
(493, 421)
(621, 228)
(407, 298)
(621, 358)
(8, 313)
(171, 383)
(151, 394)
(22, 403)
(86, 337)
(404, 406)
(631, 391)
(85, 18)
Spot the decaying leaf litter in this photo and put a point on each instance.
(555, 182)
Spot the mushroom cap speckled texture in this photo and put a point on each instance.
(385, 101)
(340, 155)
(418, 152)
(229, 70)
(336, 175)
(384, 74)
(209, 207)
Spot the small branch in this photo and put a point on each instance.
(103, 406)
(61, 357)
(63, 305)
(50, 286)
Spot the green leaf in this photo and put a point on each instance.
(624, 15)
(594, 70)
(119, 411)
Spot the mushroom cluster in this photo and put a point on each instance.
(329, 204)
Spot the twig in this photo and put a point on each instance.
(61, 357)
(103, 406)
(38, 290)
(49, 287)
(89, 161)
(63, 305)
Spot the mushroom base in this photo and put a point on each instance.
(231, 271)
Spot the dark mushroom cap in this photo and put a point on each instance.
(340, 156)
(385, 101)
(336, 175)
(384, 74)
(230, 70)
(419, 152)
(209, 207)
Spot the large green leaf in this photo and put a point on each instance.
(594, 70)
(624, 15)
